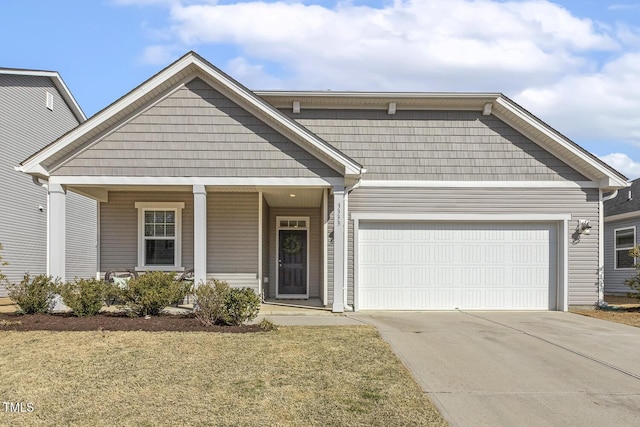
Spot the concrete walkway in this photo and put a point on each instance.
(519, 369)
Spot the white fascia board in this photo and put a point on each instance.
(351, 167)
(540, 127)
(622, 216)
(373, 216)
(478, 184)
(34, 169)
(169, 181)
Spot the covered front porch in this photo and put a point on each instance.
(280, 240)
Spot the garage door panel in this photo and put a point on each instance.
(453, 265)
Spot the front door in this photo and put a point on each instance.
(292, 264)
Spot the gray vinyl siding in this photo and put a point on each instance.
(580, 204)
(232, 233)
(196, 131)
(119, 227)
(82, 236)
(330, 243)
(26, 125)
(614, 278)
(315, 247)
(265, 244)
(435, 145)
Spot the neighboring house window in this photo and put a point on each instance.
(625, 241)
(159, 235)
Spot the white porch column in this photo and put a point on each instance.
(57, 231)
(339, 236)
(199, 234)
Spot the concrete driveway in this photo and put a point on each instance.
(519, 368)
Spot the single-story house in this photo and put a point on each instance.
(36, 107)
(621, 221)
(361, 200)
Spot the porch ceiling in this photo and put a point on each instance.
(293, 197)
(277, 197)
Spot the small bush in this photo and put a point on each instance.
(149, 293)
(210, 302)
(242, 306)
(267, 325)
(34, 295)
(84, 296)
(217, 303)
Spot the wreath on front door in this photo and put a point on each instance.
(292, 245)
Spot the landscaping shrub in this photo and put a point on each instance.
(210, 302)
(84, 296)
(242, 305)
(217, 303)
(34, 295)
(149, 293)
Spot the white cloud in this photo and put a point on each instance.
(160, 54)
(623, 163)
(602, 105)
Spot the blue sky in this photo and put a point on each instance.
(574, 64)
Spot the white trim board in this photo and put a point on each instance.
(207, 181)
(622, 216)
(479, 184)
(371, 216)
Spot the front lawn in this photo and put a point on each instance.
(295, 376)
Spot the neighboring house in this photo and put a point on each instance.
(621, 221)
(36, 108)
(361, 200)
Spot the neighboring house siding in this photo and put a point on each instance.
(581, 204)
(315, 247)
(614, 278)
(196, 131)
(435, 145)
(82, 236)
(232, 233)
(266, 231)
(27, 125)
(119, 227)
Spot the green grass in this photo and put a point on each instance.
(294, 376)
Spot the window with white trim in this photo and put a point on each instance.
(625, 241)
(159, 235)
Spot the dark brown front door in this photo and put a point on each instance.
(292, 263)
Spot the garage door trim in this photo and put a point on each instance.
(562, 251)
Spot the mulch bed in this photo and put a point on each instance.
(112, 322)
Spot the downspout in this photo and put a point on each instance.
(39, 183)
(602, 199)
(345, 289)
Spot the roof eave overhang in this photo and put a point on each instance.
(607, 178)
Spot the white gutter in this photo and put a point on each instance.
(345, 288)
(601, 201)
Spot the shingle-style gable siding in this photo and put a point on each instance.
(196, 131)
(435, 145)
(27, 125)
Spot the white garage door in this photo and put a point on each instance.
(446, 266)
